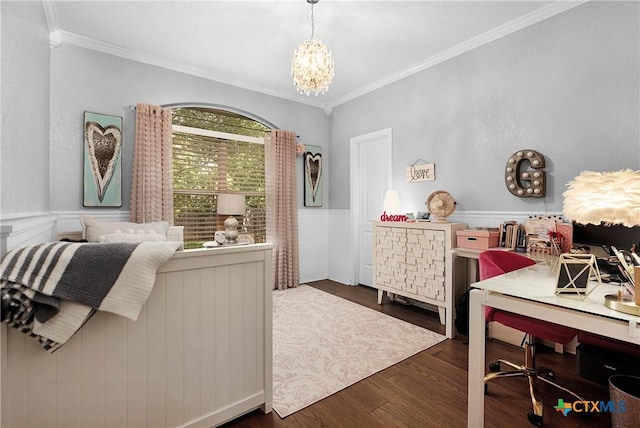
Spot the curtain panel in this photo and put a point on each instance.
(282, 207)
(152, 182)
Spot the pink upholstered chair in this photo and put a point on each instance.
(497, 262)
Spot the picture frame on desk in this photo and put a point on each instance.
(574, 273)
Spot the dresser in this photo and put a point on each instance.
(415, 260)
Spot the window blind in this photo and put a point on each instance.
(205, 166)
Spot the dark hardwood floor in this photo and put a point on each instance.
(430, 388)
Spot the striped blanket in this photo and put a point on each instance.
(50, 290)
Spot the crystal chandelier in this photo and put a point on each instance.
(312, 65)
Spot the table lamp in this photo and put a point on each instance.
(231, 204)
(607, 198)
(391, 203)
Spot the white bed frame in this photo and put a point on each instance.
(200, 354)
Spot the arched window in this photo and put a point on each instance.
(215, 152)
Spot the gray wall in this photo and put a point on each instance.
(24, 152)
(567, 87)
(86, 80)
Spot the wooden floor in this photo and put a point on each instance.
(430, 388)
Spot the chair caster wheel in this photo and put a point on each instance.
(494, 367)
(535, 419)
(550, 376)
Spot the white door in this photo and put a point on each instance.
(370, 179)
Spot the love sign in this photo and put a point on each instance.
(422, 172)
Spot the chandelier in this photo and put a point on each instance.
(312, 65)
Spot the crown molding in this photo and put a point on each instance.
(51, 15)
(488, 37)
(64, 37)
(57, 37)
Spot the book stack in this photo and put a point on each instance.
(512, 235)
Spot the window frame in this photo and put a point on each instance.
(259, 223)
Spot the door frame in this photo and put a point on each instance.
(354, 184)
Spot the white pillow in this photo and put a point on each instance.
(93, 229)
(130, 235)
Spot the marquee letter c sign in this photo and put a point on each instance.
(525, 183)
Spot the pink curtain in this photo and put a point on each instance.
(282, 207)
(152, 183)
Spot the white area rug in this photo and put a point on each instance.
(323, 343)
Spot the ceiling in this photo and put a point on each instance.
(250, 43)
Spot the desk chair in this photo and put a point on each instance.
(494, 263)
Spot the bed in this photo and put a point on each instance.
(199, 353)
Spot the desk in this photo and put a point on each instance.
(472, 261)
(530, 291)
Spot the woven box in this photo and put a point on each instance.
(477, 239)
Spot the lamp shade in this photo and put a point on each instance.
(312, 67)
(230, 204)
(604, 197)
(391, 204)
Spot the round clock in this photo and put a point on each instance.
(220, 237)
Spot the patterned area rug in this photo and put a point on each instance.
(323, 343)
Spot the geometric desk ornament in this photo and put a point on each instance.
(575, 272)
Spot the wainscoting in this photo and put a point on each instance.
(324, 235)
(313, 241)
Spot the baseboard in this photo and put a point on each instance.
(229, 413)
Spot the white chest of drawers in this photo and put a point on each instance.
(414, 260)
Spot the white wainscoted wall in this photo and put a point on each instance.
(340, 254)
(313, 225)
(324, 235)
(26, 229)
(313, 239)
(326, 251)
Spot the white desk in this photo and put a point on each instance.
(530, 291)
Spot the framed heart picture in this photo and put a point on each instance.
(313, 176)
(102, 160)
